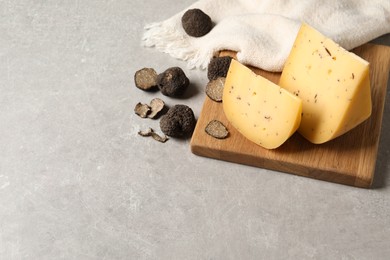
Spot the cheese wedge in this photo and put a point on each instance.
(259, 109)
(334, 86)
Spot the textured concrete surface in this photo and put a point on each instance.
(77, 182)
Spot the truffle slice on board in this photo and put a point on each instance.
(217, 129)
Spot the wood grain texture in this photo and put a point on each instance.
(349, 159)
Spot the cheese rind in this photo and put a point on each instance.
(333, 84)
(259, 109)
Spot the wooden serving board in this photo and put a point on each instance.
(349, 159)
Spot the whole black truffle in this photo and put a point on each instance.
(218, 67)
(178, 121)
(196, 23)
(172, 82)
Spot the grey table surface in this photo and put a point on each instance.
(77, 182)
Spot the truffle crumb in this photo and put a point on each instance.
(218, 67)
(172, 82)
(178, 121)
(214, 89)
(145, 133)
(145, 79)
(196, 23)
(217, 129)
(154, 135)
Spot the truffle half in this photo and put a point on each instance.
(178, 121)
(218, 67)
(173, 82)
(214, 89)
(196, 23)
(145, 79)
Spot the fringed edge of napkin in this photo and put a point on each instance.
(168, 39)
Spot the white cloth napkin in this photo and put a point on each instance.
(263, 31)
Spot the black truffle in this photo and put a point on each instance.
(178, 121)
(218, 67)
(196, 23)
(173, 82)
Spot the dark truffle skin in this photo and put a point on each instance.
(218, 67)
(178, 121)
(196, 23)
(172, 82)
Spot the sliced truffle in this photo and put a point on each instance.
(217, 129)
(155, 136)
(156, 106)
(196, 23)
(142, 109)
(214, 89)
(218, 67)
(178, 121)
(173, 82)
(145, 79)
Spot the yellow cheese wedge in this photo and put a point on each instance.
(334, 86)
(259, 109)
